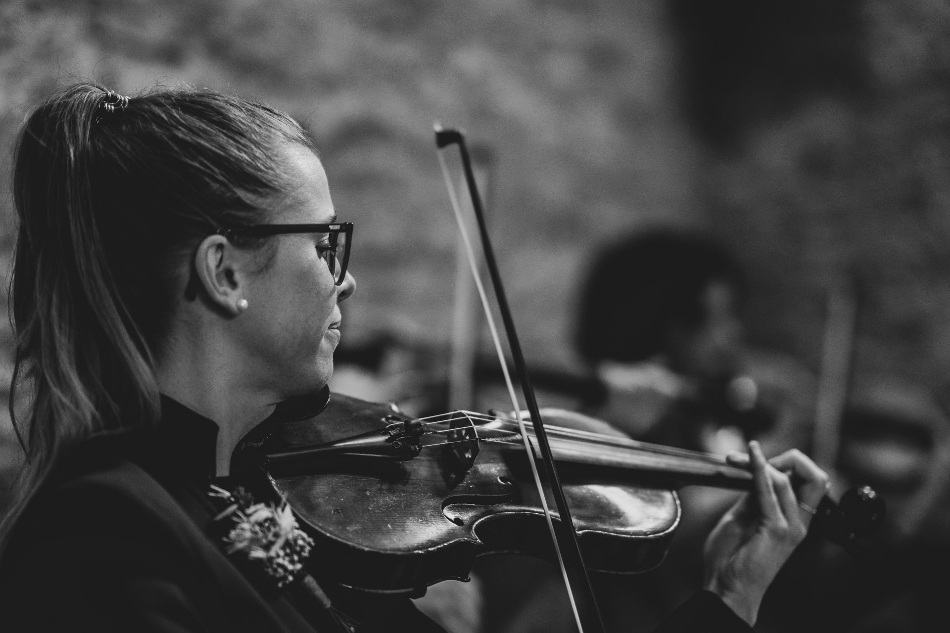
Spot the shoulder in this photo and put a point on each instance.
(109, 548)
(103, 546)
(118, 498)
(102, 514)
(639, 395)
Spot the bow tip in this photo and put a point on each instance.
(446, 136)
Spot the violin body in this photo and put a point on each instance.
(394, 526)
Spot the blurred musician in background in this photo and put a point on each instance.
(660, 325)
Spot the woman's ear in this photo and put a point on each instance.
(221, 269)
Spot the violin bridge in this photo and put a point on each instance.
(461, 446)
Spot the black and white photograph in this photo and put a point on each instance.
(498, 316)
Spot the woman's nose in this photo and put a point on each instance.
(346, 288)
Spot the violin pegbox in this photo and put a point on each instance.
(852, 521)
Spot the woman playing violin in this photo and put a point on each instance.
(178, 273)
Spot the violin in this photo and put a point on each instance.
(395, 504)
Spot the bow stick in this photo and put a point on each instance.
(566, 544)
(466, 323)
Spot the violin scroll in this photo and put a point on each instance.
(852, 521)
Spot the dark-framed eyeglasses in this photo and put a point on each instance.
(335, 250)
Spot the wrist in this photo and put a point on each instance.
(745, 604)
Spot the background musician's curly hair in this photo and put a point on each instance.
(640, 286)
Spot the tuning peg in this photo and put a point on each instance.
(852, 521)
(863, 510)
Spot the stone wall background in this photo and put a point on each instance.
(847, 175)
(812, 140)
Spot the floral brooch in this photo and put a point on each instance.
(264, 537)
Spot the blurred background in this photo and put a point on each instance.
(808, 140)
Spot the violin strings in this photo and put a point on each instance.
(568, 433)
(475, 428)
(497, 440)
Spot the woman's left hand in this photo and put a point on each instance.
(752, 541)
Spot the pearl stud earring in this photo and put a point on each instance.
(242, 305)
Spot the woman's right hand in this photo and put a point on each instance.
(752, 541)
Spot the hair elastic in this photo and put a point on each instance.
(110, 102)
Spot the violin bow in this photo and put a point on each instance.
(466, 323)
(566, 544)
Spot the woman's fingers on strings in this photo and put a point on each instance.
(812, 482)
(764, 490)
(796, 518)
(809, 482)
(777, 502)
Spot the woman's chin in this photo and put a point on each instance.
(307, 380)
(323, 372)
